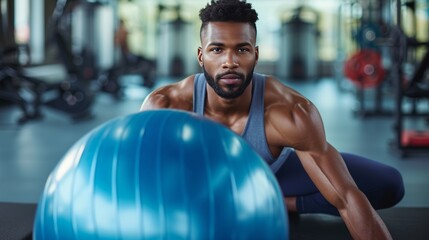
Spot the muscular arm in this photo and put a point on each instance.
(155, 100)
(176, 96)
(327, 169)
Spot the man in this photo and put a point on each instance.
(121, 40)
(284, 127)
(130, 62)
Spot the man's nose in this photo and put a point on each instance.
(231, 60)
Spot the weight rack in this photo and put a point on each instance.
(411, 139)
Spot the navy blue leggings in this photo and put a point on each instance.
(382, 184)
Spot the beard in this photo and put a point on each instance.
(232, 92)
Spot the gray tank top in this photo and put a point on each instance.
(254, 132)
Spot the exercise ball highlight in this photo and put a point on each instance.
(161, 174)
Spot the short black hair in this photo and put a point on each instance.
(228, 11)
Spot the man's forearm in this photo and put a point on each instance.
(362, 221)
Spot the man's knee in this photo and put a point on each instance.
(394, 186)
(387, 190)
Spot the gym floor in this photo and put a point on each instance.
(29, 152)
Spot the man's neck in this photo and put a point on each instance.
(233, 113)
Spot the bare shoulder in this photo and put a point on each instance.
(177, 95)
(292, 120)
(278, 94)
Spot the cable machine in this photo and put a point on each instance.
(175, 38)
(299, 45)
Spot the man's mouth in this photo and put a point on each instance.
(230, 79)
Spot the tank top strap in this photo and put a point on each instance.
(199, 93)
(254, 131)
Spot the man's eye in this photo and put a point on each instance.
(242, 50)
(217, 49)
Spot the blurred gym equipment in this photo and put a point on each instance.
(364, 68)
(411, 125)
(31, 94)
(299, 35)
(174, 37)
(365, 65)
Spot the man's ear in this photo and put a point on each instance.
(256, 54)
(200, 56)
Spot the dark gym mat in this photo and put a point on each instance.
(16, 223)
(403, 224)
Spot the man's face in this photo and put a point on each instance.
(228, 56)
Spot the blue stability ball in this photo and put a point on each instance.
(161, 174)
